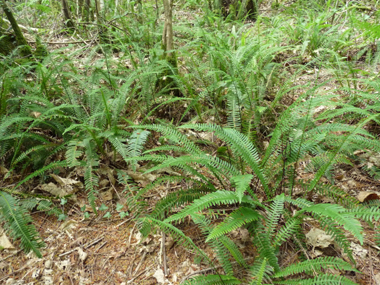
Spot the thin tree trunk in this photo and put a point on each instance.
(168, 47)
(66, 11)
(167, 36)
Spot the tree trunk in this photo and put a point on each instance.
(168, 47)
(66, 11)
(24, 48)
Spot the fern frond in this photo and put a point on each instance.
(240, 145)
(173, 135)
(273, 214)
(136, 142)
(177, 235)
(213, 199)
(176, 199)
(339, 215)
(20, 223)
(241, 183)
(339, 195)
(286, 231)
(367, 214)
(219, 248)
(321, 279)
(318, 264)
(260, 271)
(332, 156)
(51, 166)
(259, 275)
(236, 219)
(73, 153)
(265, 248)
(212, 280)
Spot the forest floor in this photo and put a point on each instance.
(112, 251)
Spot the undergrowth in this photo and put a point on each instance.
(76, 110)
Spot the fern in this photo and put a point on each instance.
(136, 143)
(259, 273)
(212, 280)
(320, 279)
(216, 198)
(20, 224)
(319, 264)
(235, 220)
(338, 214)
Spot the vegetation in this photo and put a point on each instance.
(208, 93)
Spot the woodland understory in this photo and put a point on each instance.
(189, 142)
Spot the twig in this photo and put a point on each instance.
(130, 281)
(60, 43)
(123, 222)
(94, 242)
(22, 27)
(85, 247)
(164, 254)
(199, 272)
(141, 261)
(103, 244)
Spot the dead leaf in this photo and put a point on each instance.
(107, 195)
(143, 179)
(103, 183)
(5, 243)
(35, 114)
(68, 225)
(3, 170)
(318, 238)
(159, 275)
(54, 190)
(82, 255)
(358, 250)
(365, 196)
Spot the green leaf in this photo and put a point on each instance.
(103, 207)
(240, 217)
(107, 215)
(62, 217)
(119, 207)
(241, 183)
(123, 214)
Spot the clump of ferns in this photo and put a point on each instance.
(34, 134)
(272, 172)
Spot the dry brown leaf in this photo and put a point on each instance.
(365, 196)
(319, 238)
(107, 195)
(54, 189)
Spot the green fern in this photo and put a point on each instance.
(235, 220)
(20, 224)
(212, 280)
(315, 265)
(320, 279)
